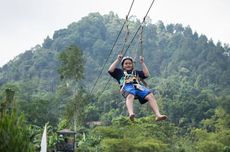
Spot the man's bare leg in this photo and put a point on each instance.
(153, 104)
(129, 105)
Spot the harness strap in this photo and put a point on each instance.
(130, 78)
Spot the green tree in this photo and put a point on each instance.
(75, 112)
(72, 63)
(40, 111)
(15, 135)
(14, 132)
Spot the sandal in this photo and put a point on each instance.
(131, 117)
(163, 117)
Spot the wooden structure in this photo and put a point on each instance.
(66, 141)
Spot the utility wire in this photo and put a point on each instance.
(112, 48)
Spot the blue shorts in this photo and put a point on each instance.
(139, 93)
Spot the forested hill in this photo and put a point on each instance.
(178, 59)
(168, 49)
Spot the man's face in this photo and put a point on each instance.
(128, 65)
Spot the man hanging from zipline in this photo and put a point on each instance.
(131, 87)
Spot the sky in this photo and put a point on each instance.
(26, 23)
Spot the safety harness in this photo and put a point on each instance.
(132, 78)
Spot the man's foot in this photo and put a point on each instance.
(131, 117)
(160, 118)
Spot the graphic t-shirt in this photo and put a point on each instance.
(119, 75)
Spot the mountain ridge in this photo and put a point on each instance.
(164, 45)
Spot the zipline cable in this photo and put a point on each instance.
(138, 46)
(126, 38)
(141, 25)
(112, 47)
(141, 41)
